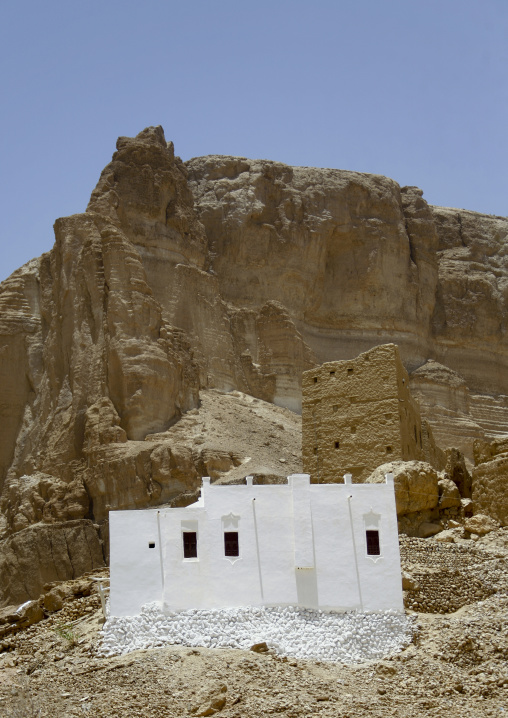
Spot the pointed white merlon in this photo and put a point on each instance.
(348, 478)
(389, 478)
(249, 479)
(205, 481)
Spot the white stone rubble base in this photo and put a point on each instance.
(289, 631)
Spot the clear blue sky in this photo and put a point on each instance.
(413, 89)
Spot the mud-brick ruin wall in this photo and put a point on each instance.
(358, 414)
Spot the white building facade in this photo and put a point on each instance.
(328, 546)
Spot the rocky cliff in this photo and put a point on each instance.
(229, 274)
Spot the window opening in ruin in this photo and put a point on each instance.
(388, 416)
(332, 373)
(350, 371)
(315, 380)
(315, 449)
(151, 544)
(336, 444)
(372, 543)
(416, 438)
(353, 429)
(231, 547)
(190, 544)
(389, 449)
(335, 407)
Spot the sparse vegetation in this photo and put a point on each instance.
(68, 633)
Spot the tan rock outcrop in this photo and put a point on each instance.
(445, 402)
(41, 497)
(46, 552)
(416, 485)
(449, 494)
(490, 488)
(480, 524)
(484, 451)
(456, 470)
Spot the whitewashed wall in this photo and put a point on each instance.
(300, 544)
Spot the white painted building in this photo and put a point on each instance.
(329, 546)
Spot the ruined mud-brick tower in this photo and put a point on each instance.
(358, 414)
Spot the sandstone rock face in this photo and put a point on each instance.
(486, 451)
(41, 497)
(352, 255)
(490, 488)
(445, 401)
(455, 470)
(416, 485)
(42, 553)
(236, 275)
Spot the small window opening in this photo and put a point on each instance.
(337, 444)
(332, 373)
(416, 438)
(389, 449)
(231, 543)
(388, 416)
(315, 380)
(403, 381)
(190, 544)
(315, 449)
(420, 438)
(350, 371)
(353, 429)
(373, 543)
(151, 544)
(335, 407)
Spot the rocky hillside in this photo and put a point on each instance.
(223, 274)
(456, 665)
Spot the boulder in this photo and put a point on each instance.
(210, 700)
(480, 524)
(409, 582)
(449, 495)
(448, 536)
(416, 485)
(54, 599)
(427, 529)
(14, 619)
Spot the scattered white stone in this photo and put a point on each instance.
(287, 630)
